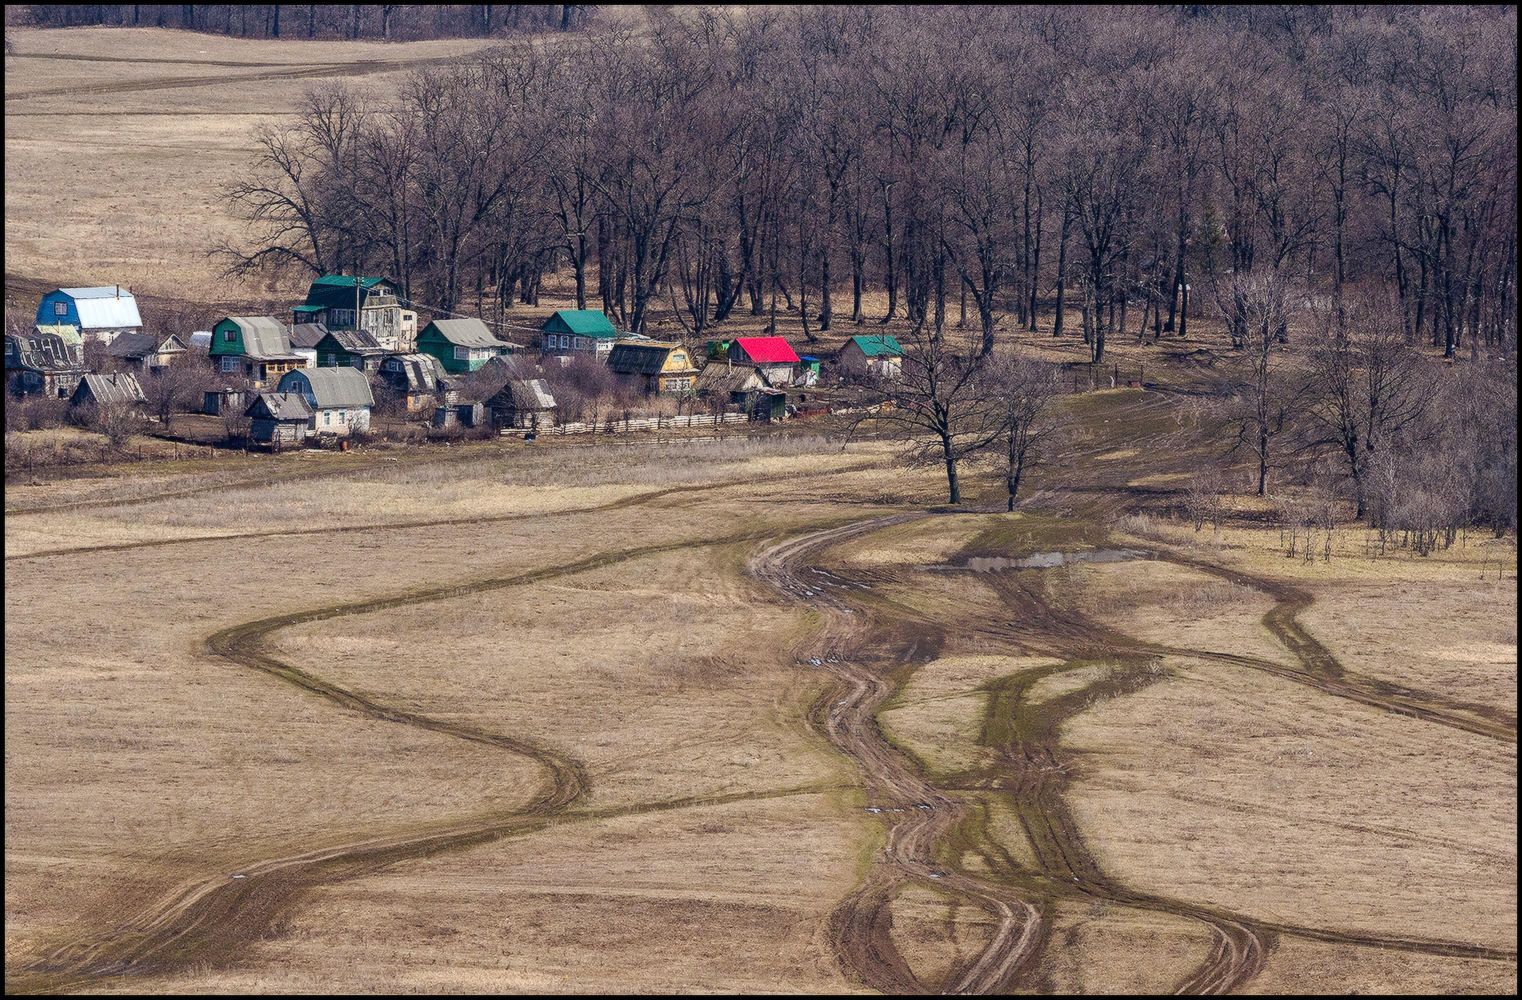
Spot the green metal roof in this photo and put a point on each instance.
(346, 280)
(336, 291)
(308, 309)
(585, 322)
(876, 344)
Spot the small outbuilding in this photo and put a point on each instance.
(118, 387)
(525, 402)
(279, 418)
(879, 355)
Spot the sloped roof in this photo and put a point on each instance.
(67, 332)
(120, 387)
(265, 338)
(140, 345)
(584, 322)
(722, 377)
(42, 352)
(307, 334)
(526, 394)
(647, 358)
(875, 344)
(466, 333)
(355, 341)
(423, 372)
(337, 291)
(767, 350)
(281, 406)
(106, 307)
(331, 387)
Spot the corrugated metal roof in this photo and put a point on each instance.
(120, 387)
(109, 307)
(530, 394)
(767, 350)
(140, 345)
(423, 372)
(585, 322)
(67, 332)
(331, 387)
(465, 333)
(265, 338)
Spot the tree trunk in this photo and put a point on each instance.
(1062, 263)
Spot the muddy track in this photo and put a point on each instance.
(1032, 771)
(633, 500)
(921, 815)
(214, 921)
(1318, 667)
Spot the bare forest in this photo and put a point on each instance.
(1337, 187)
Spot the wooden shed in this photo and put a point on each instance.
(279, 418)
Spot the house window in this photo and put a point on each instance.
(60, 308)
(229, 364)
(229, 336)
(462, 354)
(343, 416)
(327, 417)
(565, 340)
(332, 359)
(581, 343)
(549, 341)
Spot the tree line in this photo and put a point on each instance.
(386, 22)
(1008, 159)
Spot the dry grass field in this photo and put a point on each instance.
(601, 615)
(681, 714)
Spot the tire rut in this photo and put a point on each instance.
(215, 920)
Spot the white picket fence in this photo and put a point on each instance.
(645, 424)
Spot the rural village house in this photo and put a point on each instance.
(145, 351)
(742, 386)
(49, 361)
(420, 379)
(334, 300)
(461, 345)
(100, 314)
(339, 397)
(279, 418)
(525, 403)
(878, 355)
(118, 387)
(653, 365)
(774, 356)
(350, 348)
(256, 347)
(572, 330)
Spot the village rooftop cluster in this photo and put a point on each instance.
(315, 375)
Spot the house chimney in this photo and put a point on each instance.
(118, 291)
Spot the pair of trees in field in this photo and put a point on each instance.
(961, 403)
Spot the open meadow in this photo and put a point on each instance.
(551, 719)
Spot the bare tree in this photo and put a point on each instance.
(1027, 391)
(944, 400)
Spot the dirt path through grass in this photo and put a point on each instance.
(213, 922)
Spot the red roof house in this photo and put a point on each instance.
(773, 355)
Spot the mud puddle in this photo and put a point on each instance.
(1041, 560)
